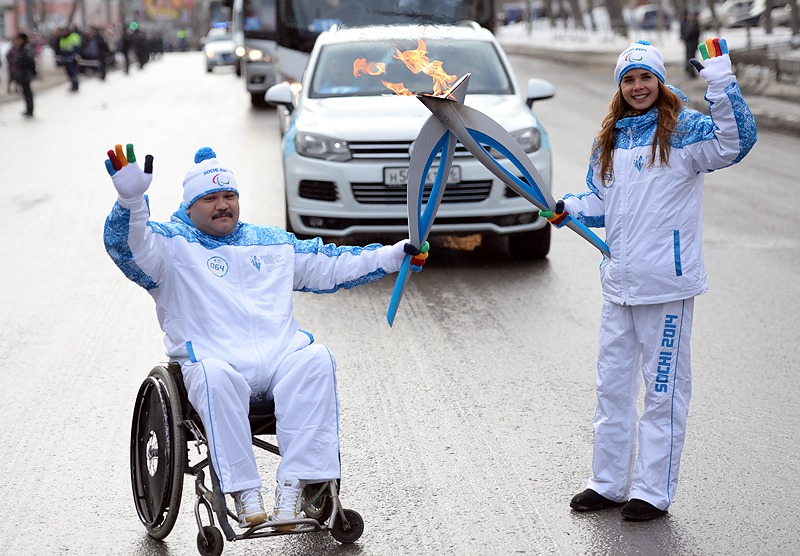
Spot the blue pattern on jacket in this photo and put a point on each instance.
(115, 236)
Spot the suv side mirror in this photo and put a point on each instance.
(280, 94)
(539, 89)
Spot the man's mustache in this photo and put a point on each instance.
(221, 213)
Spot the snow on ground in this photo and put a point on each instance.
(568, 38)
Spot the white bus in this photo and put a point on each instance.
(274, 37)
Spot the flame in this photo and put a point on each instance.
(397, 88)
(373, 68)
(415, 60)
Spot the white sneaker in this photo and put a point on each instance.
(250, 507)
(288, 502)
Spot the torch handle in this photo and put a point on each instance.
(399, 287)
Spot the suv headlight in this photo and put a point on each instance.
(529, 139)
(319, 146)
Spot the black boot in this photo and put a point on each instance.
(590, 501)
(639, 510)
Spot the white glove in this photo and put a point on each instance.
(395, 254)
(129, 179)
(716, 65)
(717, 71)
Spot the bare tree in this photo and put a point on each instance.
(577, 14)
(794, 18)
(618, 24)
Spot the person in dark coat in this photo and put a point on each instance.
(125, 45)
(690, 34)
(11, 57)
(25, 69)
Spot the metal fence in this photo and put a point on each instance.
(782, 58)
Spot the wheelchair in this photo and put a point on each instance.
(165, 427)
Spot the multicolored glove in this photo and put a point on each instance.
(129, 179)
(716, 69)
(418, 256)
(558, 217)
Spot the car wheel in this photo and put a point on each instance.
(257, 100)
(209, 69)
(529, 246)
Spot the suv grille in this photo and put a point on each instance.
(380, 194)
(395, 150)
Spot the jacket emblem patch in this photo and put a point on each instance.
(218, 266)
(270, 262)
(639, 163)
(608, 179)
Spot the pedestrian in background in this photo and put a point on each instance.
(25, 69)
(125, 45)
(690, 34)
(70, 47)
(11, 57)
(645, 180)
(142, 48)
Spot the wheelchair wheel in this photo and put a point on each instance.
(352, 534)
(212, 545)
(158, 452)
(321, 506)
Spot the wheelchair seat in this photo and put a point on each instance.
(261, 414)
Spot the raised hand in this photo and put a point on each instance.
(716, 66)
(129, 179)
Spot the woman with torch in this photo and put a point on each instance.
(645, 181)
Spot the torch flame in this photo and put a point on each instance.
(373, 68)
(397, 88)
(415, 60)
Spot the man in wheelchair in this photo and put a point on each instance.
(223, 294)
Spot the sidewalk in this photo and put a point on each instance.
(775, 106)
(47, 77)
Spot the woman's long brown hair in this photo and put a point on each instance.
(669, 106)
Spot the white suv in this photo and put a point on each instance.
(347, 139)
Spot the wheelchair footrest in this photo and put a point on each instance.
(269, 528)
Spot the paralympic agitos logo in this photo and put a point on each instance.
(218, 180)
(629, 57)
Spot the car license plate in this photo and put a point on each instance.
(398, 177)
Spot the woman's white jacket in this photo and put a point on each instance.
(653, 213)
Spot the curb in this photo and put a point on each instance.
(44, 80)
(767, 118)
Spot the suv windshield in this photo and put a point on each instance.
(334, 74)
(218, 37)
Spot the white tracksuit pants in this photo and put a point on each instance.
(650, 342)
(306, 409)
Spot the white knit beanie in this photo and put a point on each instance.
(640, 54)
(208, 175)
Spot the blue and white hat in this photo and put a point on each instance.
(208, 175)
(640, 54)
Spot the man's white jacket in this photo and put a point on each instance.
(231, 297)
(653, 214)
